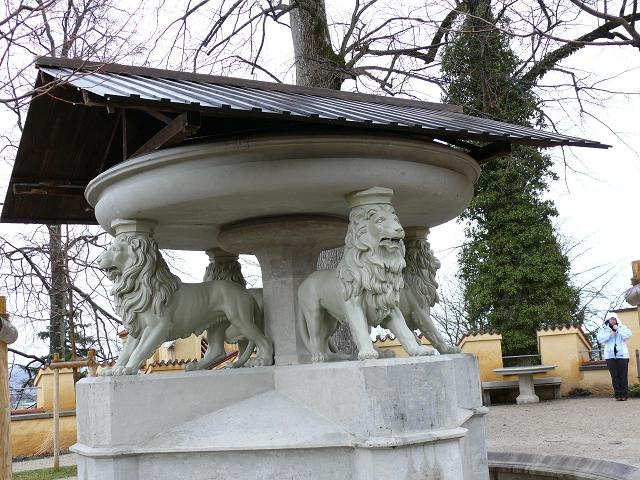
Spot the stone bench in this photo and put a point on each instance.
(555, 382)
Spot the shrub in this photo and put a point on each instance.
(579, 392)
(634, 391)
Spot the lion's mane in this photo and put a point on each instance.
(420, 272)
(147, 284)
(225, 270)
(366, 268)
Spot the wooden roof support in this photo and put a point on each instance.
(180, 128)
(490, 151)
(45, 188)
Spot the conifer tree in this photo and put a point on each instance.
(515, 275)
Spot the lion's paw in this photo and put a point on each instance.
(367, 355)
(106, 372)
(422, 351)
(318, 357)
(191, 367)
(262, 362)
(118, 371)
(452, 350)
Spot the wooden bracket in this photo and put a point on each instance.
(42, 188)
(490, 151)
(180, 128)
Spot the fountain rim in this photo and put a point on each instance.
(333, 143)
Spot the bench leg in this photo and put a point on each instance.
(556, 392)
(486, 398)
(527, 392)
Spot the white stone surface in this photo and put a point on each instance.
(191, 191)
(364, 290)
(287, 249)
(525, 380)
(411, 418)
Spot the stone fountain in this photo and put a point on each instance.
(227, 166)
(283, 198)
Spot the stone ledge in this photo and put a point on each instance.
(492, 385)
(559, 467)
(34, 416)
(593, 366)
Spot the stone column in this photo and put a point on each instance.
(223, 266)
(527, 392)
(287, 248)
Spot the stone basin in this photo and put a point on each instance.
(191, 191)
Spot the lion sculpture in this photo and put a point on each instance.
(364, 291)
(632, 296)
(155, 306)
(419, 293)
(225, 266)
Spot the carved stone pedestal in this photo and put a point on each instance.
(407, 418)
(287, 248)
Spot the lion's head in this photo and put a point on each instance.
(420, 272)
(225, 268)
(141, 278)
(373, 257)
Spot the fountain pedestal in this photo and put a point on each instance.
(411, 418)
(287, 248)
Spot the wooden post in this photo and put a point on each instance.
(8, 335)
(92, 365)
(56, 413)
(635, 269)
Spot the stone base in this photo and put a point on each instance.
(409, 418)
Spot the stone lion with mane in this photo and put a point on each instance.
(419, 293)
(364, 291)
(155, 306)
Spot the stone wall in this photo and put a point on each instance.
(567, 348)
(44, 383)
(487, 347)
(32, 434)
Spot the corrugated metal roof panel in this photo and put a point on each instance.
(432, 121)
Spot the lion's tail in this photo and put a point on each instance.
(258, 320)
(246, 354)
(301, 324)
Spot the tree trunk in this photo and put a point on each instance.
(317, 65)
(58, 292)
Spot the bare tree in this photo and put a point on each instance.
(391, 47)
(54, 264)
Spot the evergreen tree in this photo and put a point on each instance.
(515, 274)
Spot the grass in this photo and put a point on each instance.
(46, 473)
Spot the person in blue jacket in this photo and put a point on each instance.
(612, 335)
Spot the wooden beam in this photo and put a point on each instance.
(490, 151)
(56, 189)
(180, 128)
(5, 407)
(56, 414)
(159, 116)
(123, 122)
(110, 143)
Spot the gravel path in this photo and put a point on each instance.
(587, 427)
(43, 462)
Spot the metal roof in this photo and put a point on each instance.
(87, 117)
(220, 93)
